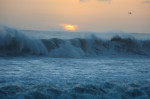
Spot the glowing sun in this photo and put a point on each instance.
(69, 27)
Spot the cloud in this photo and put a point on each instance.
(146, 1)
(83, 0)
(105, 0)
(97, 0)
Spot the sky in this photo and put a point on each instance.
(86, 15)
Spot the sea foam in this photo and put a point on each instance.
(15, 43)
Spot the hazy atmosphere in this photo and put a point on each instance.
(74, 49)
(86, 15)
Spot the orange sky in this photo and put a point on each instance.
(88, 15)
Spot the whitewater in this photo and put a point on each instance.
(73, 65)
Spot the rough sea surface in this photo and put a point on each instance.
(53, 65)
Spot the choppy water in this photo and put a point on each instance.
(96, 67)
(102, 78)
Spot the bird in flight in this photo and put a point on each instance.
(129, 12)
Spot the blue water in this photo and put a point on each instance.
(45, 77)
(48, 66)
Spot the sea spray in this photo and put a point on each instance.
(15, 43)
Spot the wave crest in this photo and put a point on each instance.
(14, 43)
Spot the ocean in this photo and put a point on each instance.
(73, 65)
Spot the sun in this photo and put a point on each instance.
(69, 27)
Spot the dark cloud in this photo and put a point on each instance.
(83, 0)
(146, 1)
(105, 0)
(97, 0)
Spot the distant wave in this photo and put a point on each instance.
(14, 43)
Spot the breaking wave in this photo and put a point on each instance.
(14, 43)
